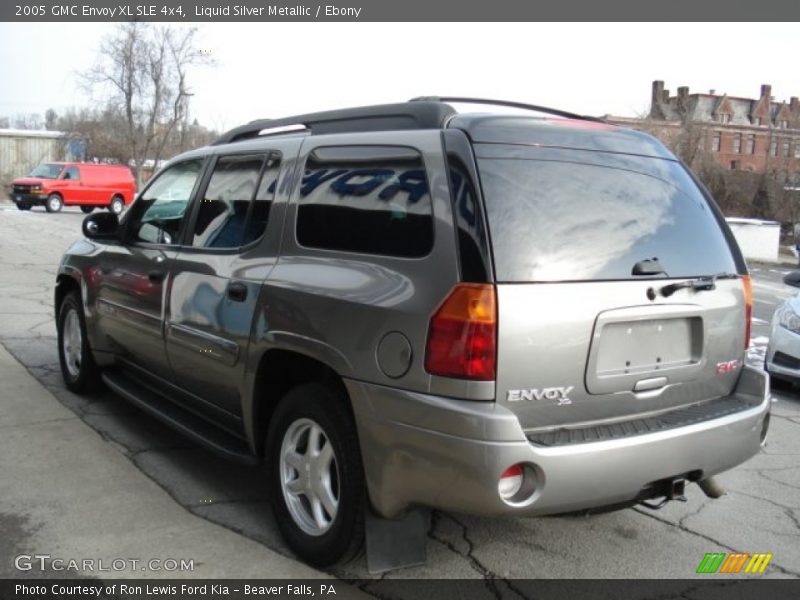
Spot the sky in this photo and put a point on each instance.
(268, 70)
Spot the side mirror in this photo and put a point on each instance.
(101, 226)
(792, 279)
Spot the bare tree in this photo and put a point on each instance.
(143, 72)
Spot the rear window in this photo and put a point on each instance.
(566, 215)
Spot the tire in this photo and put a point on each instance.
(337, 534)
(78, 368)
(54, 203)
(23, 206)
(87, 209)
(116, 205)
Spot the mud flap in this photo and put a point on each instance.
(397, 543)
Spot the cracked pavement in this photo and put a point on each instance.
(760, 513)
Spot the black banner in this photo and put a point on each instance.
(707, 588)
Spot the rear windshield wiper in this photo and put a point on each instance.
(700, 284)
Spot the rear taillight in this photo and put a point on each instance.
(748, 308)
(462, 335)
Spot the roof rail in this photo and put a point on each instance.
(541, 109)
(405, 115)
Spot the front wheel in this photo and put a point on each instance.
(87, 209)
(54, 203)
(78, 368)
(316, 477)
(117, 204)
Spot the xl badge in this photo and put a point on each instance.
(559, 394)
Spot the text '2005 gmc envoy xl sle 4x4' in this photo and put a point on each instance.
(404, 307)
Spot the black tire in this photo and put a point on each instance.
(81, 375)
(345, 536)
(54, 203)
(22, 206)
(87, 209)
(116, 205)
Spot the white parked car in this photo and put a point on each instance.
(783, 352)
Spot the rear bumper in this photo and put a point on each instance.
(449, 454)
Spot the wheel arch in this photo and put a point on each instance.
(65, 283)
(279, 370)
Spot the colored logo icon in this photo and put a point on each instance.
(737, 562)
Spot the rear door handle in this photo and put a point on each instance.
(237, 292)
(156, 276)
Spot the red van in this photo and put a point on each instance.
(88, 185)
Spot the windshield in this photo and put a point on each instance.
(47, 171)
(567, 215)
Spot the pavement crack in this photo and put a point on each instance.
(763, 475)
(492, 580)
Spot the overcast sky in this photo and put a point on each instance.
(273, 70)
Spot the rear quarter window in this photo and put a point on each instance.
(366, 199)
(564, 215)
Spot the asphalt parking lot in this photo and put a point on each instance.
(760, 513)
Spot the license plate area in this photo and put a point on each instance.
(636, 344)
(648, 347)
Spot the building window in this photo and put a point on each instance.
(715, 142)
(737, 143)
(724, 118)
(735, 165)
(750, 144)
(757, 121)
(797, 149)
(786, 149)
(773, 148)
(784, 124)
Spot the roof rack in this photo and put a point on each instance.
(541, 109)
(405, 115)
(427, 112)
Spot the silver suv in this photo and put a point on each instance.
(403, 306)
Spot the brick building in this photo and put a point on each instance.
(758, 135)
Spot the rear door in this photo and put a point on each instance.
(231, 248)
(587, 245)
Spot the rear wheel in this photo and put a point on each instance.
(78, 368)
(54, 203)
(116, 205)
(22, 206)
(316, 477)
(87, 209)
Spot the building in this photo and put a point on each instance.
(758, 135)
(22, 149)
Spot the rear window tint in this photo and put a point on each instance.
(370, 200)
(557, 215)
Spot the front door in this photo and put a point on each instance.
(133, 277)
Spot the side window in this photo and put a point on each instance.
(235, 206)
(71, 173)
(366, 199)
(158, 214)
(259, 214)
